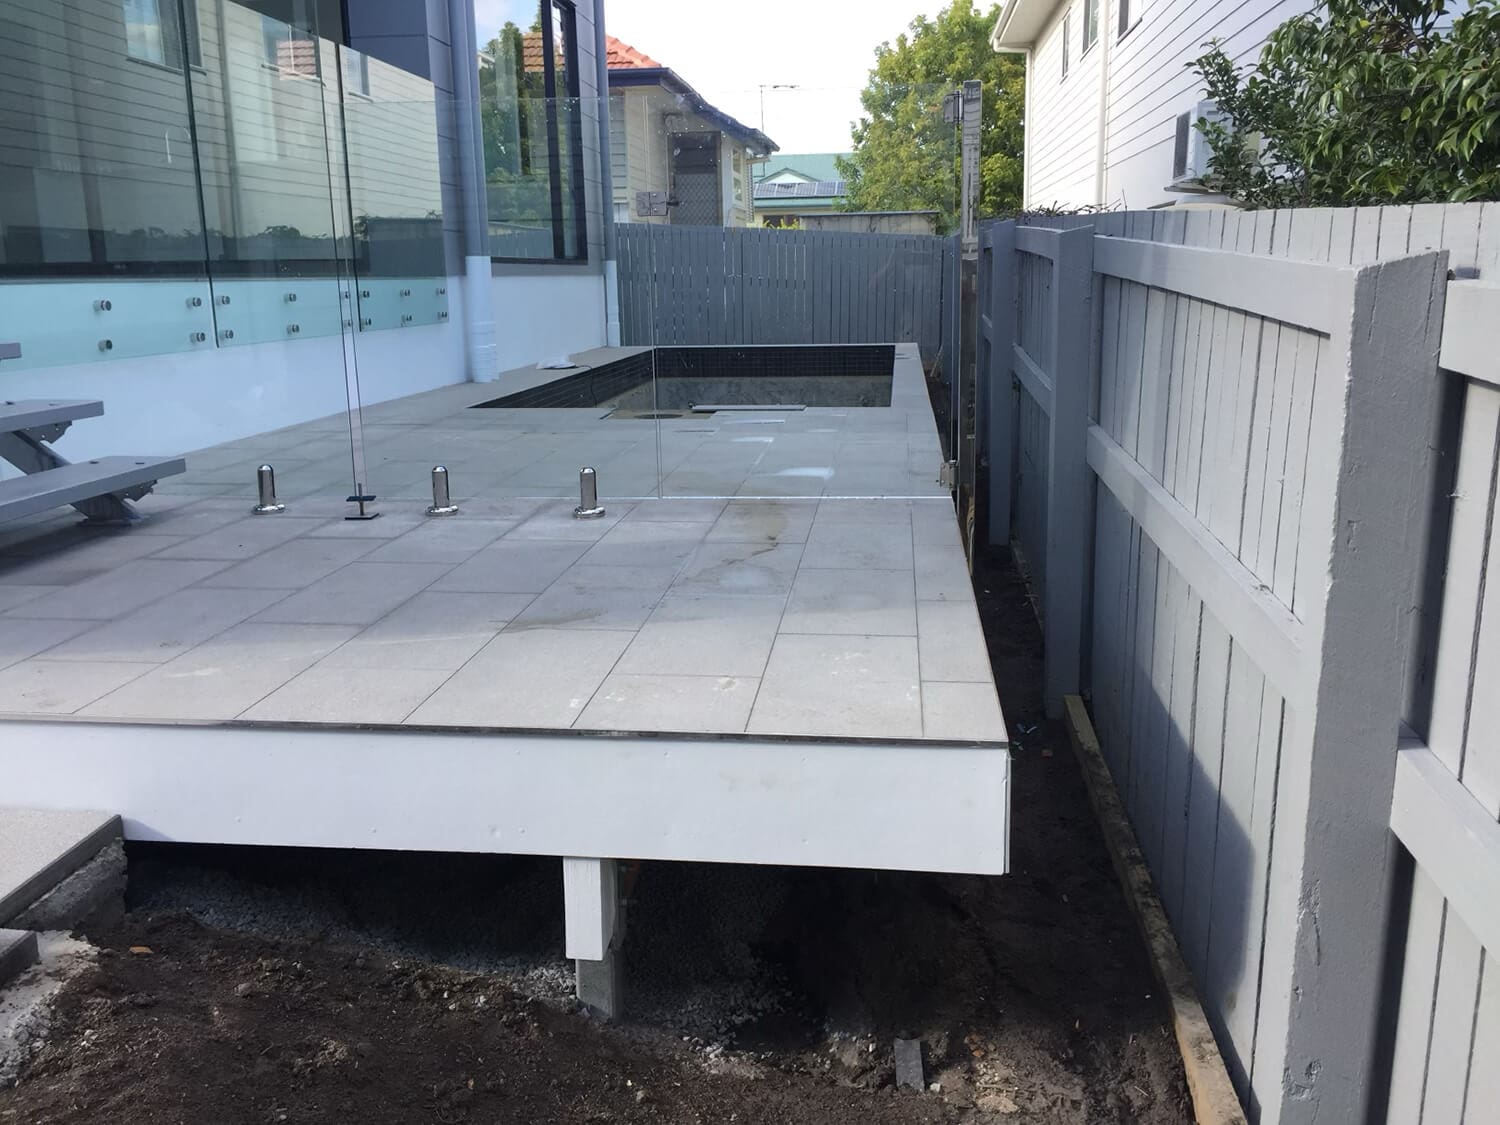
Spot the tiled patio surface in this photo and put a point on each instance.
(812, 616)
(778, 617)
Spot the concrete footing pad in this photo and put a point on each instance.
(40, 848)
(599, 986)
(17, 953)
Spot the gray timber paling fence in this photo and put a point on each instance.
(716, 285)
(1249, 461)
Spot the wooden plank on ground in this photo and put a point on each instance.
(1214, 1099)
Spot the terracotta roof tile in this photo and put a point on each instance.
(622, 56)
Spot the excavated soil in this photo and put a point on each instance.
(261, 987)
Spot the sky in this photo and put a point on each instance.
(727, 51)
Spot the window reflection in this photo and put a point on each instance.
(533, 140)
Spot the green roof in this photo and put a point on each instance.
(813, 165)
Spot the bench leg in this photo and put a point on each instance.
(31, 456)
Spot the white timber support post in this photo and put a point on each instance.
(1358, 569)
(1070, 326)
(591, 904)
(1000, 308)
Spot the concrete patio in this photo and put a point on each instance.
(698, 674)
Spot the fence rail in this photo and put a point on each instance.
(1290, 518)
(724, 285)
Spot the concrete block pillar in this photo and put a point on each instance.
(592, 931)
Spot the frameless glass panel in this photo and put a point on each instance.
(406, 348)
(101, 235)
(800, 299)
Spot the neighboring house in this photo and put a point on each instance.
(797, 185)
(1110, 96)
(674, 157)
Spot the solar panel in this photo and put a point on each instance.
(806, 191)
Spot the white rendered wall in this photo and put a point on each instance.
(544, 315)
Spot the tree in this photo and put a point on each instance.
(905, 158)
(1361, 102)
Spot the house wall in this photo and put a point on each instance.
(1148, 84)
(1062, 130)
(641, 156)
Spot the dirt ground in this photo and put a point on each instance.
(264, 987)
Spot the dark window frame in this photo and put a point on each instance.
(548, 11)
(1067, 35)
(181, 40)
(1090, 20)
(1129, 16)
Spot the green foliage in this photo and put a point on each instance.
(1361, 102)
(905, 157)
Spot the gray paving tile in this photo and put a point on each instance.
(167, 628)
(22, 638)
(764, 521)
(654, 543)
(958, 710)
(740, 568)
(450, 539)
(324, 694)
(706, 704)
(555, 521)
(510, 567)
(676, 511)
(866, 513)
(852, 602)
(73, 555)
(951, 642)
(436, 631)
(293, 565)
(840, 686)
(222, 676)
(358, 594)
(598, 597)
(943, 574)
(934, 524)
(858, 547)
(61, 687)
(242, 539)
(532, 678)
(120, 590)
(706, 635)
(11, 596)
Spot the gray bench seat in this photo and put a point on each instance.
(119, 477)
(19, 415)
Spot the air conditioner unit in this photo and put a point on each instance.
(1190, 155)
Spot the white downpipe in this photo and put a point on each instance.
(480, 352)
(612, 303)
(480, 347)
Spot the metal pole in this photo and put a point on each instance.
(442, 502)
(265, 480)
(966, 373)
(588, 496)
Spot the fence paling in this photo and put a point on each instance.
(712, 285)
(1194, 585)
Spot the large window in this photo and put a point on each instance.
(153, 35)
(533, 131)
